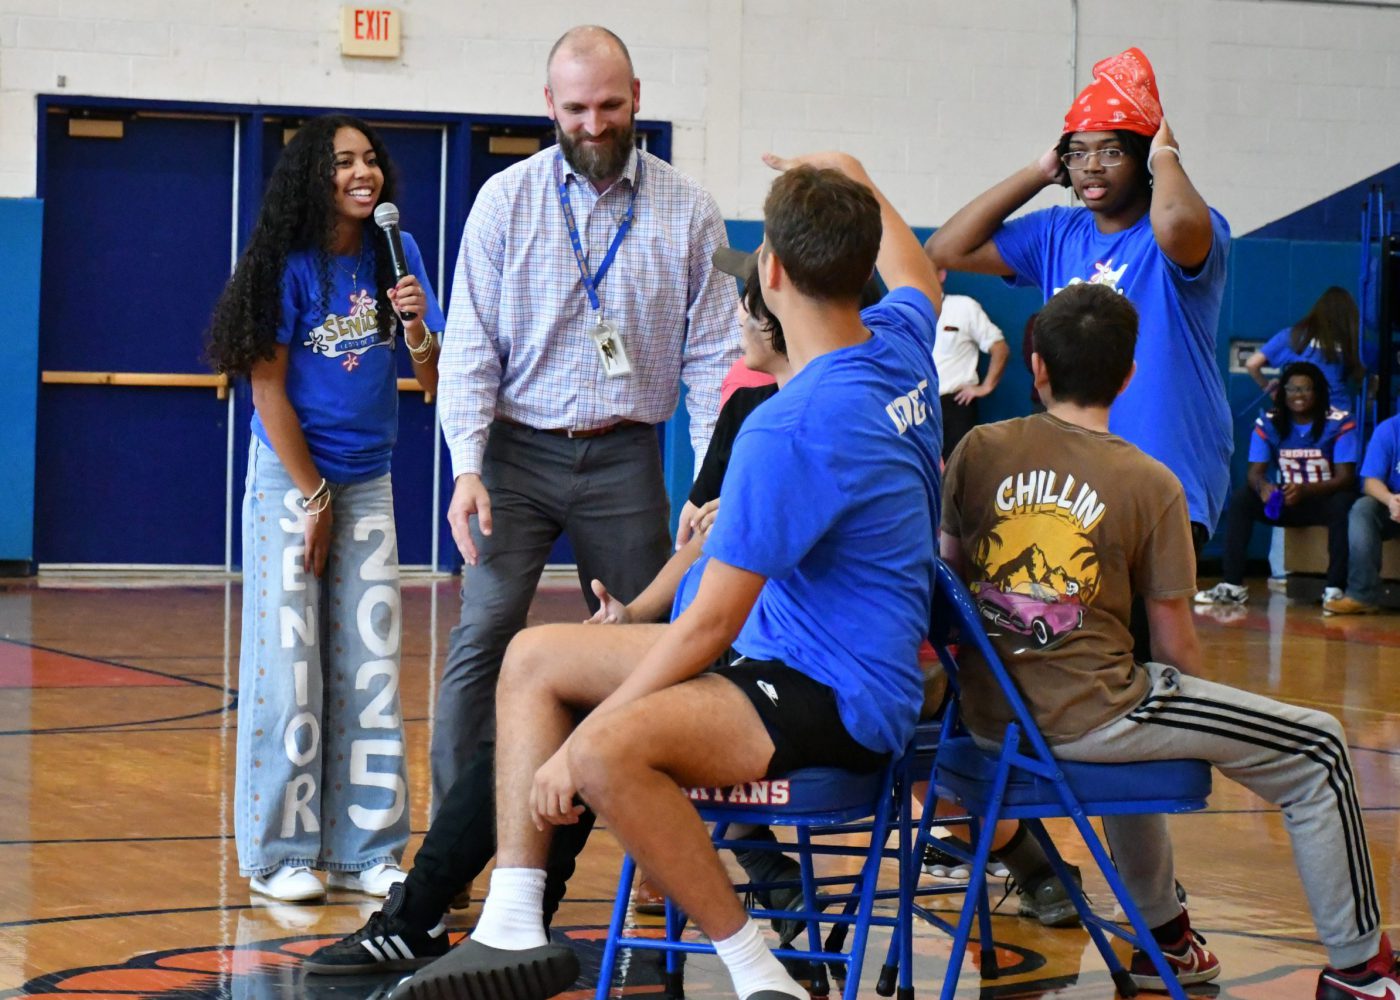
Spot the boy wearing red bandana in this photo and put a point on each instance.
(1146, 233)
(1143, 230)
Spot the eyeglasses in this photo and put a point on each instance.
(1298, 390)
(1078, 159)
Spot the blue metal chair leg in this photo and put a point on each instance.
(619, 915)
(879, 834)
(1145, 940)
(988, 951)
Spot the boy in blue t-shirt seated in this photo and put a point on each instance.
(1374, 517)
(830, 507)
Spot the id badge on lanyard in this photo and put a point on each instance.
(607, 342)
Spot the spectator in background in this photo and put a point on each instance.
(963, 331)
(1327, 336)
(1374, 517)
(1302, 471)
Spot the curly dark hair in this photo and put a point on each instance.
(298, 213)
(1282, 416)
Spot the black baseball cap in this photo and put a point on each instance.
(740, 264)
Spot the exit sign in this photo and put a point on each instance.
(370, 31)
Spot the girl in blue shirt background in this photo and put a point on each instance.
(312, 316)
(1327, 337)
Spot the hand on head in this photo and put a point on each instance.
(828, 160)
(1051, 168)
(1164, 137)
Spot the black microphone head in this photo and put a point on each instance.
(386, 214)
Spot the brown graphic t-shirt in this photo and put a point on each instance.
(1060, 527)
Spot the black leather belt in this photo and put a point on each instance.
(569, 432)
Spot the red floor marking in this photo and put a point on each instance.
(26, 667)
(143, 981)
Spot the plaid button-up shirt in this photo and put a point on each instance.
(518, 342)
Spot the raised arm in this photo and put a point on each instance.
(964, 242)
(901, 261)
(1180, 217)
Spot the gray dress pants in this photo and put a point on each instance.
(607, 494)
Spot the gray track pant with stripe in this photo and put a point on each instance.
(1293, 757)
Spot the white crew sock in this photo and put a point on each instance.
(512, 917)
(752, 966)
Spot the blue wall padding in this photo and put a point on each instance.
(1337, 217)
(21, 220)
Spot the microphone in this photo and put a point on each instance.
(386, 217)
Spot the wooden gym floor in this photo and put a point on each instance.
(117, 871)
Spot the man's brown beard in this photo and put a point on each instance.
(598, 163)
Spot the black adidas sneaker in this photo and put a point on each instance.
(386, 943)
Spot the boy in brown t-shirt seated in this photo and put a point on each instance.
(1055, 524)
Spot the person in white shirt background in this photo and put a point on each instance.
(964, 334)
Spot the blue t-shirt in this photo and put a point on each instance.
(832, 494)
(1383, 455)
(341, 378)
(1174, 409)
(1301, 458)
(1278, 349)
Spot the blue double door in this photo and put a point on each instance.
(140, 235)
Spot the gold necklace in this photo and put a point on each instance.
(355, 273)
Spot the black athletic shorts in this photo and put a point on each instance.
(801, 718)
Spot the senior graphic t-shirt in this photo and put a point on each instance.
(341, 377)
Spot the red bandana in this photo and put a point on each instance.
(1122, 95)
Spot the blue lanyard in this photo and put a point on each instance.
(592, 281)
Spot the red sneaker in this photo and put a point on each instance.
(1189, 958)
(1379, 980)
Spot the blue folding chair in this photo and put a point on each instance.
(820, 804)
(1025, 781)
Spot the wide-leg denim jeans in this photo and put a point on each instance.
(321, 774)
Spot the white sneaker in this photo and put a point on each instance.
(291, 884)
(1278, 584)
(1223, 593)
(1332, 594)
(372, 881)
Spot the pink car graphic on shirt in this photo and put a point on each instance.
(1031, 609)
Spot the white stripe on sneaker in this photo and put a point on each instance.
(1370, 989)
(369, 946)
(404, 950)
